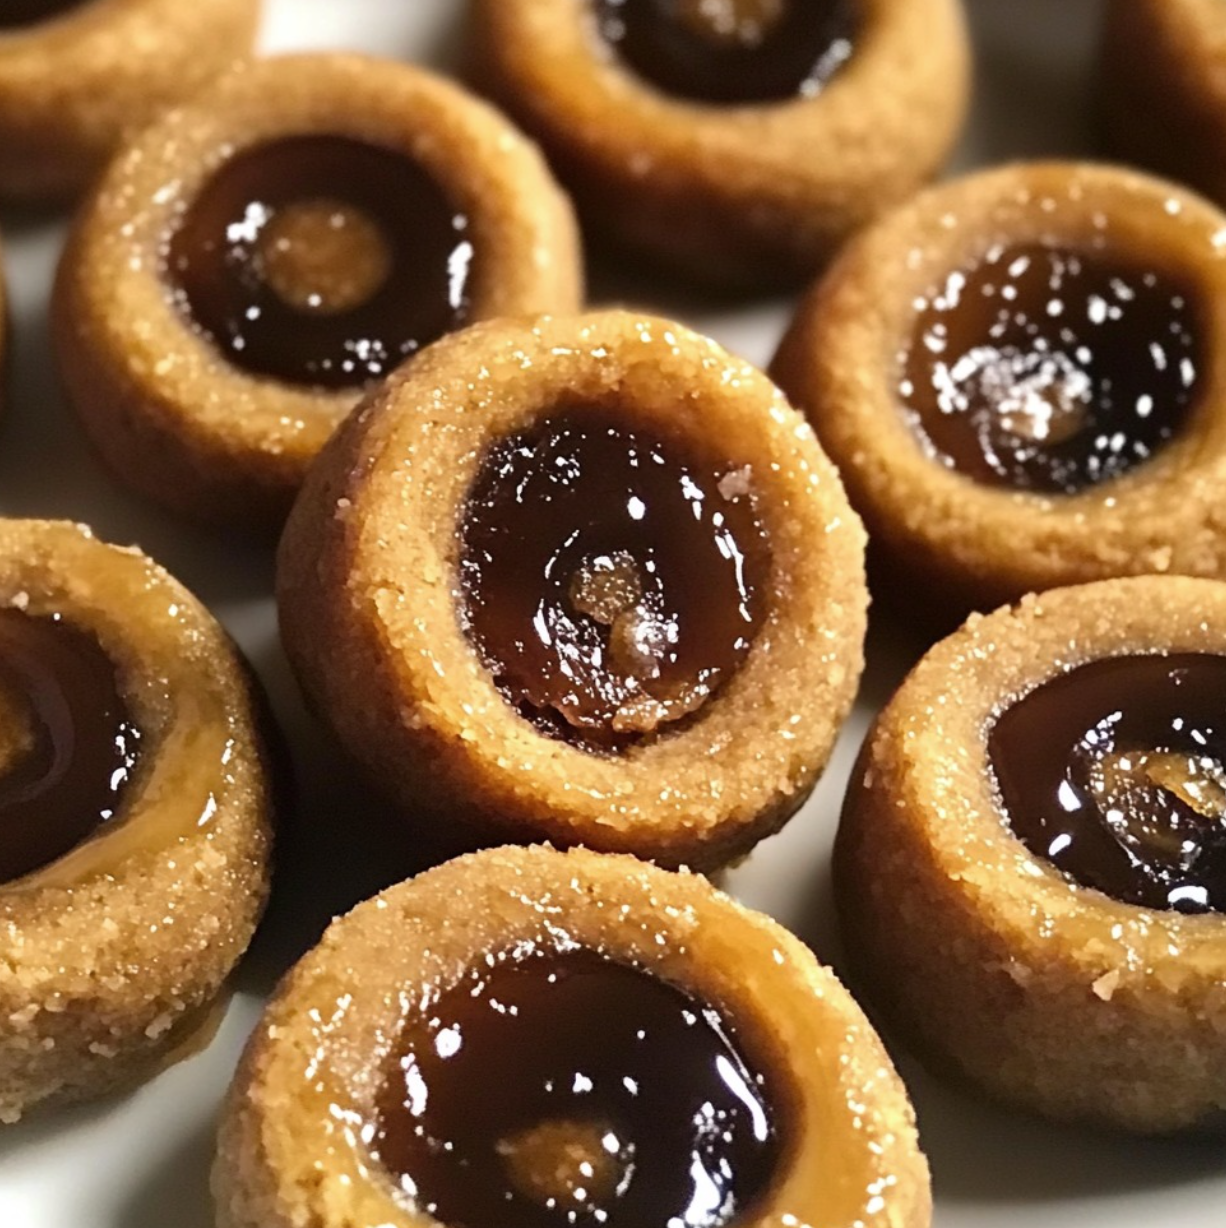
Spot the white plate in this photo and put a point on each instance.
(141, 1161)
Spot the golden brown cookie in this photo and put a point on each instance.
(1020, 376)
(78, 76)
(134, 814)
(1163, 89)
(256, 259)
(586, 579)
(739, 141)
(522, 1029)
(1031, 866)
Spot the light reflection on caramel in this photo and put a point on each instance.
(185, 720)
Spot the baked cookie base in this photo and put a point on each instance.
(1045, 994)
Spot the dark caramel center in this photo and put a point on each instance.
(566, 1089)
(16, 13)
(612, 579)
(1116, 773)
(1048, 369)
(322, 261)
(732, 51)
(71, 745)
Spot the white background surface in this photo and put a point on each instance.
(141, 1161)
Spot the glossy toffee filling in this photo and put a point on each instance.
(612, 579)
(17, 13)
(70, 745)
(321, 261)
(1048, 369)
(1116, 773)
(563, 1089)
(732, 51)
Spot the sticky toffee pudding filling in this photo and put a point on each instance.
(612, 578)
(1030, 862)
(653, 1117)
(328, 216)
(544, 1039)
(1020, 375)
(321, 261)
(606, 591)
(1116, 773)
(135, 814)
(732, 51)
(69, 744)
(1051, 369)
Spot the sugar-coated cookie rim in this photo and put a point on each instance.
(993, 661)
(290, 1147)
(114, 311)
(540, 42)
(694, 797)
(77, 928)
(740, 197)
(49, 567)
(1001, 970)
(839, 362)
